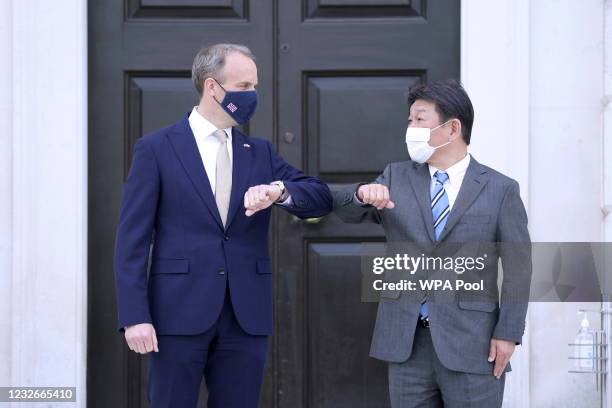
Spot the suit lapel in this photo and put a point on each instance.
(420, 181)
(184, 144)
(241, 163)
(473, 182)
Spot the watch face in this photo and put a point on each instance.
(280, 185)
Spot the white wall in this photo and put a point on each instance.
(607, 158)
(566, 144)
(6, 185)
(495, 73)
(43, 190)
(534, 71)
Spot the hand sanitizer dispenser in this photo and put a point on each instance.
(585, 347)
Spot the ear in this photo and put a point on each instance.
(455, 129)
(209, 87)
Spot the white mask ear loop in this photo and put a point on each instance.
(444, 144)
(439, 126)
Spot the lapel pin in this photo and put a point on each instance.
(246, 145)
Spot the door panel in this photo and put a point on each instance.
(341, 127)
(344, 70)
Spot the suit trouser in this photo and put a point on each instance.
(423, 382)
(231, 361)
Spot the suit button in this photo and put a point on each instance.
(226, 237)
(221, 271)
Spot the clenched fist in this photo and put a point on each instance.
(376, 195)
(141, 338)
(260, 197)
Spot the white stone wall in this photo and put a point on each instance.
(607, 161)
(43, 194)
(6, 186)
(534, 70)
(566, 192)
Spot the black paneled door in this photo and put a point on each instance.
(333, 80)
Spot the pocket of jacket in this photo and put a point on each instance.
(169, 266)
(264, 266)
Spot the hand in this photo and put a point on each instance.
(141, 338)
(260, 197)
(500, 351)
(376, 195)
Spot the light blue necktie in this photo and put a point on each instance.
(439, 211)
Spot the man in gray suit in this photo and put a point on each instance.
(451, 354)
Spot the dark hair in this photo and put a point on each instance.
(209, 62)
(451, 102)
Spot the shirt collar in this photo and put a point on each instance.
(202, 126)
(456, 171)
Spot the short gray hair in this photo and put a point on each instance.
(210, 60)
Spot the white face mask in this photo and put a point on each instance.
(417, 141)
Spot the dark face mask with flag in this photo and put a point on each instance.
(240, 105)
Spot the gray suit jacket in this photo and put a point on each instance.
(488, 211)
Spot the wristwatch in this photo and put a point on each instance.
(284, 193)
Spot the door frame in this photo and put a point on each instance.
(473, 63)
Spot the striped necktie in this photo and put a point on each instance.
(440, 209)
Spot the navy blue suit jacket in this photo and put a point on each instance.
(167, 201)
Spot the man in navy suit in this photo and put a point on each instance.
(195, 211)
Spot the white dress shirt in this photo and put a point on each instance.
(208, 144)
(456, 173)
